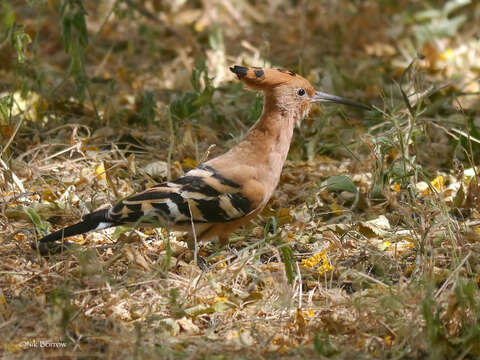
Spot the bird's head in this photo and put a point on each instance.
(286, 90)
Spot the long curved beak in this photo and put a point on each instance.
(324, 97)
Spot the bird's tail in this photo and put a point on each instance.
(94, 221)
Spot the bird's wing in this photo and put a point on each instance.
(203, 195)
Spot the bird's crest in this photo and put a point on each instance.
(263, 79)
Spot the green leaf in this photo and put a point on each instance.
(42, 227)
(200, 68)
(147, 108)
(119, 230)
(401, 169)
(78, 22)
(341, 183)
(385, 142)
(66, 32)
(205, 97)
(459, 198)
(271, 221)
(287, 257)
(7, 17)
(200, 309)
(323, 346)
(253, 296)
(20, 41)
(6, 104)
(222, 306)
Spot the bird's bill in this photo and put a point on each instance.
(324, 97)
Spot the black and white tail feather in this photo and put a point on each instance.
(94, 221)
(202, 196)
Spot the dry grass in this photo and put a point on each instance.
(389, 270)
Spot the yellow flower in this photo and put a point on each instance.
(100, 172)
(309, 313)
(447, 54)
(319, 259)
(336, 209)
(189, 163)
(438, 183)
(395, 187)
(384, 245)
(409, 270)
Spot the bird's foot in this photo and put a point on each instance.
(189, 255)
(202, 263)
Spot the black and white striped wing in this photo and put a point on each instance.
(202, 195)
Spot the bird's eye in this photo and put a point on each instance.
(301, 92)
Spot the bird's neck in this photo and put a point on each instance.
(262, 152)
(269, 141)
(273, 132)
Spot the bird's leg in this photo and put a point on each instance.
(223, 240)
(224, 243)
(192, 242)
(200, 261)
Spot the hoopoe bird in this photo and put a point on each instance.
(215, 198)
